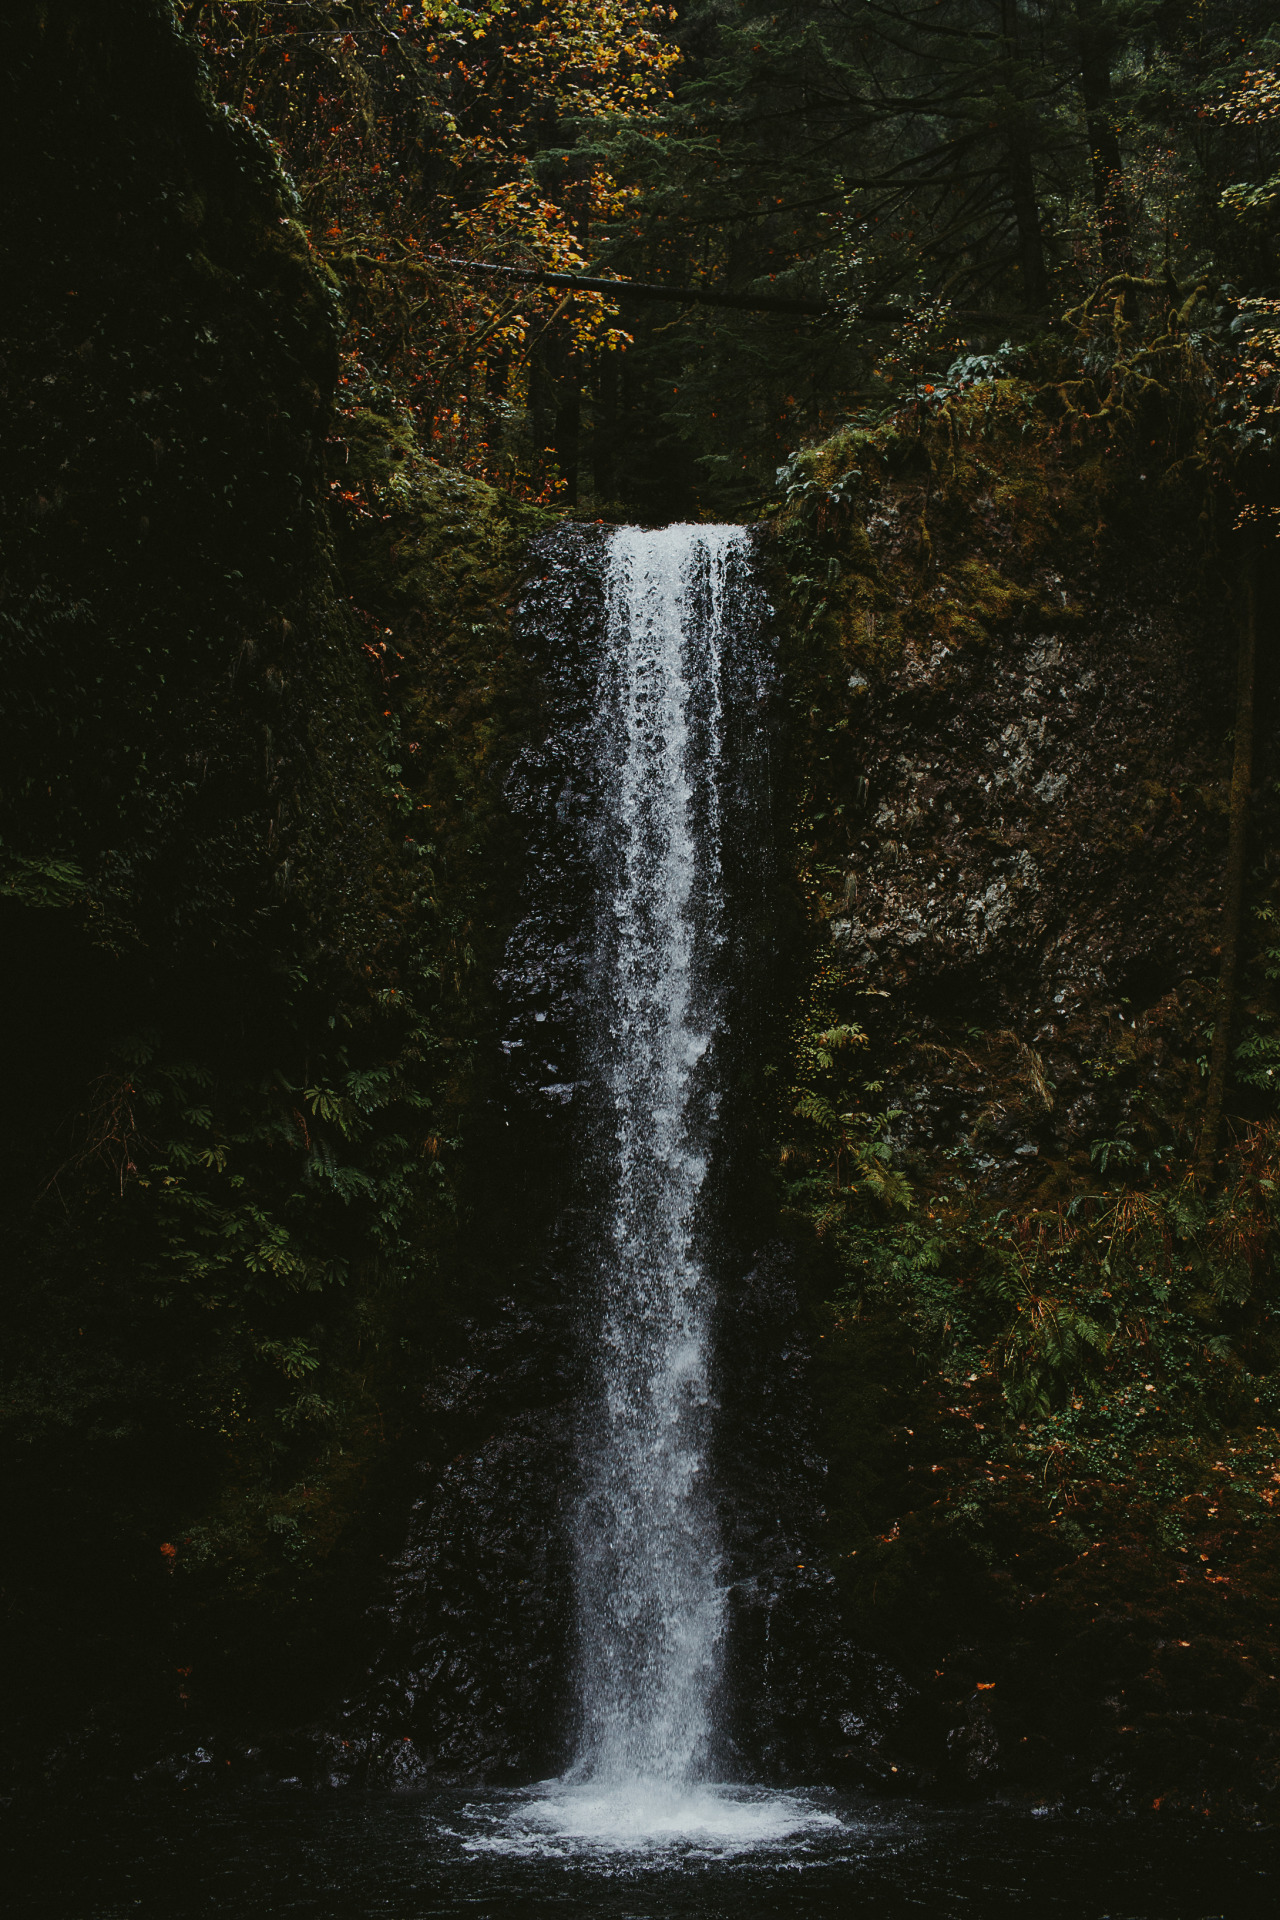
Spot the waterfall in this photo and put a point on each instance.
(648, 1570)
(610, 1593)
(634, 982)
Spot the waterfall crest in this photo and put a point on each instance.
(648, 1557)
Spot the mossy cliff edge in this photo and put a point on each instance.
(258, 701)
(1047, 1336)
(261, 697)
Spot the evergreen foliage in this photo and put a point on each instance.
(951, 170)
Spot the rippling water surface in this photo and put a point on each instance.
(714, 1853)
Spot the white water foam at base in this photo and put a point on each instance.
(640, 1817)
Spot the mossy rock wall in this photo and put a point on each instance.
(1015, 692)
(1045, 1351)
(259, 699)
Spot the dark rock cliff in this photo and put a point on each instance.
(1040, 857)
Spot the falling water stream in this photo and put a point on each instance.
(650, 1586)
(648, 1559)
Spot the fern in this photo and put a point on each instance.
(42, 882)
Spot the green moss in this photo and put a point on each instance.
(884, 536)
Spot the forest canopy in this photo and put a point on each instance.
(920, 174)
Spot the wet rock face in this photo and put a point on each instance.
(785, 1673)
(470, 1679)
(473, 1679)
(474, 1633)
(800, 1699)
(1036, 879)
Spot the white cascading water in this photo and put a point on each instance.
(648, 1562)
(650, 1579)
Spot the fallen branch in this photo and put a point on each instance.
(741, 302)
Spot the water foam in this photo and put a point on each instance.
(649, 1818)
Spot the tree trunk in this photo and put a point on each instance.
(604, 429)
(1021, 174)
(1096, 49)
(568, 427)
(1237, 852)
(542, 408)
